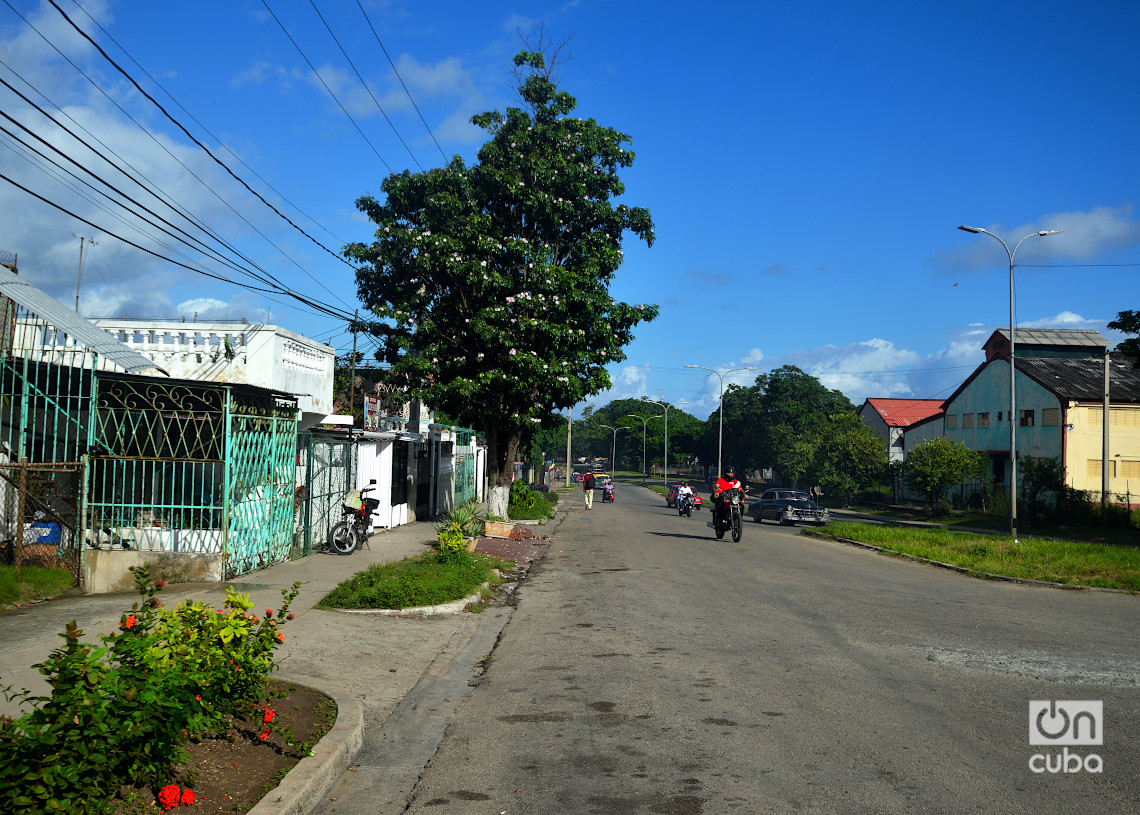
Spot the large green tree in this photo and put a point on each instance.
(490, 282)
(848, 457)
(767, 424)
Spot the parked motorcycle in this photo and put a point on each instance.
(347, 536)
(730, 516)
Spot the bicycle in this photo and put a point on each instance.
(347, 535)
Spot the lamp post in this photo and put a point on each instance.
(720, 409)
(666, 405)
(613, 447)
(644, 424)
(1012, 369)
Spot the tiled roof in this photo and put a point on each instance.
(905, 412)
(1082, 380)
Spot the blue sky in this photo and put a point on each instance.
(806, 164)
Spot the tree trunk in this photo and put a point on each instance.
(497, 500)
(502, 449)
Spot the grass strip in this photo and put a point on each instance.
(35, 583)
(425, 580)
(1054, 561)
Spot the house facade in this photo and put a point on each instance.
(890, 419)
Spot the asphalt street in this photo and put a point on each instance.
(650, 668)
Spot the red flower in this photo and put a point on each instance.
(129, 622)
(168, 797)
(159, 583)
(268, 613)
(291, 615)
(280, 637)
(264, 736)
(269, 714)
(187, 797)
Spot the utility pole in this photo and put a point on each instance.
(352, 369)
(79, 274)
(569, 430)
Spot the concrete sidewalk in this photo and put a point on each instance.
(369, 664)
(368, 657)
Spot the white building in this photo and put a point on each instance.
(237, 352)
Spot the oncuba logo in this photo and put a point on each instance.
(1064, 724)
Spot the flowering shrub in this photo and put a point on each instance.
(452, 545)
(121, 712)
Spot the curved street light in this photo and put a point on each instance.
(1013, 419)
(644, 424)
(720, 406)
(666, 405)
(613, 447)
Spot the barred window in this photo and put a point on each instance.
(952, 421)
(983, 420)
(1050, 417)
(1026, 418)
(967, 421)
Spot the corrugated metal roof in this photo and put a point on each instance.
(1079, 337)
(1082, 380)
(79, 329)
(905, 412)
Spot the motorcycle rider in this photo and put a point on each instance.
(727, 481)
(684, 491)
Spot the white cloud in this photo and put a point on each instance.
(1086, 235)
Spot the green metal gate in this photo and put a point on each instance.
(326, 472)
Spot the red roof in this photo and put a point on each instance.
(905, 412)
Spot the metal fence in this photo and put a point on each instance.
(326, 473)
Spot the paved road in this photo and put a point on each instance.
(649, 668)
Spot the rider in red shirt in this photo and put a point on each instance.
(725, 482)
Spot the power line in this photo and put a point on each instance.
(222, 144)
(405, 87)
(157, 195)
(190, 136)
(365, 84)
(317, 74)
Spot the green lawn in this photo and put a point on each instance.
(426, 580)
(1074, 563)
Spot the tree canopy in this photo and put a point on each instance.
(1129, 323)
(490, 282)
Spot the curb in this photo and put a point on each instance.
(309, 782)
(443, 609)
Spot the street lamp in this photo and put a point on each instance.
(666, 406)
(1012, 370)
(644, 424)
(613, 448)
(720, 409)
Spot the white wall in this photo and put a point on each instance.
(264, 355)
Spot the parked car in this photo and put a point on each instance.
(788, 507)
(671, 498)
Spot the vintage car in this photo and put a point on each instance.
(671, 497)
(788, 507)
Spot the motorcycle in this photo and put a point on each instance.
(685, 506)
(730, 516)
(608, 494)
(348, 535)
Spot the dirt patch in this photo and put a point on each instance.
(234, 770)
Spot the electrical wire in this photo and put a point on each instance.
(222, 144)
(191, 136)
(317, 74)
(365, 84)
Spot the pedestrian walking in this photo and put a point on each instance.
(588, 490)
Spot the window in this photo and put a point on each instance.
(983, 420)
(967, 421)
(951, 421)
(1026, 418)
(1094, 468)
(1130, 469)
(1050, 417)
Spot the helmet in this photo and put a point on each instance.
(729, 469)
